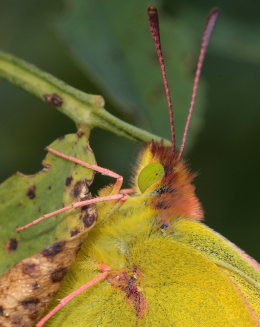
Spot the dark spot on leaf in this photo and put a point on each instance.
(58, 274)
(86, 197)
(61, 137)
(31, 269)
(53, 99)
(89, 218)
(31, 192)
(74, 232)
(1, 311)
(49, 187)
(35, 285)
(68, 180)
(80, 134)
(79, 189)
(88, 206)
(34, 315)
(54, 249)
(84, 208)
(16, 321)
(28, 302)
(51, 295)
(12, 245)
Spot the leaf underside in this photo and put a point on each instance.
(25, 198)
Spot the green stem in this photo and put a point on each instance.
(82, 108)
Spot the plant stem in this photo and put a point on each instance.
(84, 109)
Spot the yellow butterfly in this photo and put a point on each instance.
(166, 269)
(149, 260)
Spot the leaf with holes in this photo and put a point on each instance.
(43, 255)
(25, 198)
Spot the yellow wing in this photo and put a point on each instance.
(188, 277)
(242, 270)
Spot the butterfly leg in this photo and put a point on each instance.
(127, 190)
(72, 295)
(103, 171)
(116, 194)
(119, 196)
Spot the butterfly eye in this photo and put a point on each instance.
(149, 175)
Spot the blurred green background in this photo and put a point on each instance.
(104, 47)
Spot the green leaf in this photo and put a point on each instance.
(25, 198)
(114, 46)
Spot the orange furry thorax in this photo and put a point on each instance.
(174, 195)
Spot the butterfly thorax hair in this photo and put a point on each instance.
(173, 196)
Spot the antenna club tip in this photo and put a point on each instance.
(152, 10)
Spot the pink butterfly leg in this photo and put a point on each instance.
(120, 194)
(71, 296)
(103, 171)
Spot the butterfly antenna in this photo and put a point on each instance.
(210, 24)
(155, 30)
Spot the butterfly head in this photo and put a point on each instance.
(168, 182)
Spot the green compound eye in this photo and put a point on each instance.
(149, 175)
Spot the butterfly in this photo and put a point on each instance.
(150, 261)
